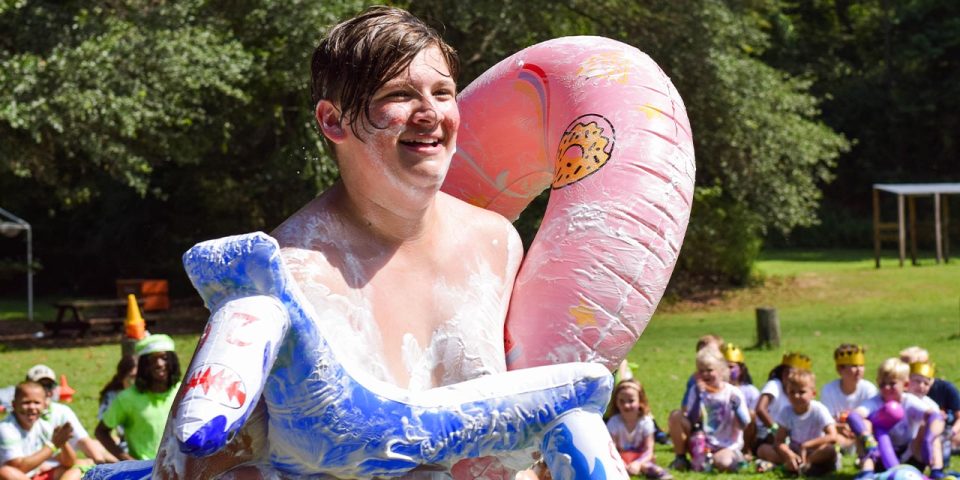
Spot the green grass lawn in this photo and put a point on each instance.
(823, 299)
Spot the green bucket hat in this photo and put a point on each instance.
(157, 342)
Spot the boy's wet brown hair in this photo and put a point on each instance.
(641, 394)
(359, 55)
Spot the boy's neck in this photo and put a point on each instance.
(848, 386)
(804, 409)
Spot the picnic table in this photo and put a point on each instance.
(81, 316)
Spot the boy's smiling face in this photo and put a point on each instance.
(891, 388)
(28, 404)
(800, 395)
(919, 385)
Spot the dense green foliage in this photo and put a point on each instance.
(136, 128)
(889, 74)
(139, 128)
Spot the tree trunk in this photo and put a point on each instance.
(768, 327)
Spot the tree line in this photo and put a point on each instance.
(132, 129)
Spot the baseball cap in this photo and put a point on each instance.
(40, 372)
(157, 342)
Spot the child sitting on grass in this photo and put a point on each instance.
(842, 395)
(945, 395)
(721, 411)
(31, 447)
(740, 377)
(677, 417)
(805, 441)
(773, 399)
(631, 428)
(914, 438)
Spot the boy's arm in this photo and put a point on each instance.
(29, 462)
(60, 438)
(67, 456)
(102, 433)
(829, 437)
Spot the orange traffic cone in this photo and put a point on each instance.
(66, 392)
(134, 326)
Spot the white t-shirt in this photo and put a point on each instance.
(775, 389)
(751, 394)
(630, 440)
(903, 432)
(718, 417)
(839, 403)
(808, 426)
(928, 405)
(15, 442)
(58, 414)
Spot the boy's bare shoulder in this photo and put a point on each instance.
(477, 217)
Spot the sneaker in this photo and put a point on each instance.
(680, 464)
(940, 474)
(764, 466)
(662, 438)
(655, 472)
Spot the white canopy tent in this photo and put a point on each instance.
(11, 226)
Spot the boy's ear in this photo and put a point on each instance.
(329, 119)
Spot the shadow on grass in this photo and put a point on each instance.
(18, 335)
(887, 257)
(838, 255)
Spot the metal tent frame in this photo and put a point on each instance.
(10, 226)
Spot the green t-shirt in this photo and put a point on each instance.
(142, 416)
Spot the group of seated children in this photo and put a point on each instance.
(40, 437)
(725, 421)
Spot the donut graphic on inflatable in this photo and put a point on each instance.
(585, 146)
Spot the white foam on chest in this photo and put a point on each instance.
(466, 345)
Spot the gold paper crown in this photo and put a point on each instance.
(853, 357)
(925, 369)
(797, 360)
(732, 353)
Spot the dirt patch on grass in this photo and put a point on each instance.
(768, 290)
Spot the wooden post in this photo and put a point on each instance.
(768, 327)
(876, 226)
(937, 230)
(946, 229)
(901, 229)
(912, 214)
